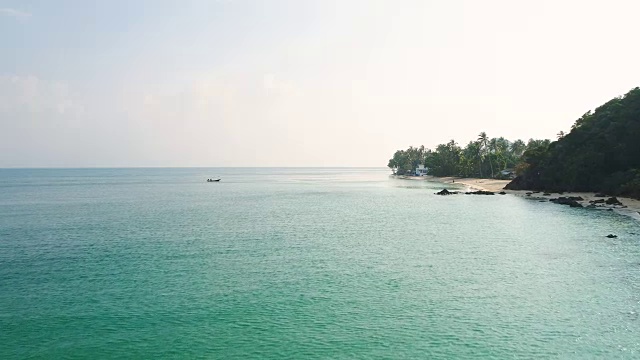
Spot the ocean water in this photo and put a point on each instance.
(303, 264)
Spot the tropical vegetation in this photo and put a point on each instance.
(601, 153)
(483, 158)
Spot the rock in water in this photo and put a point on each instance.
(611, 236)
(446, 192)
(480, 192)
(572, 201)
(613, 201)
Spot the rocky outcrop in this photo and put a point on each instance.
(480, 192)
(446, 192)
(613, 201)
(572, 201)
(520, 183)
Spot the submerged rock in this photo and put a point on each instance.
(611, 236)
(502, 193)
(480, 192)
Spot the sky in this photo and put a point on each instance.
(299, 82)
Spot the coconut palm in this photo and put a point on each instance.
(500, 147)
(483, 139)
(518, 147)
(473, 155)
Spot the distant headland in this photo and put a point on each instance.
(600, 154)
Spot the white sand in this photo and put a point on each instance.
(477, 184)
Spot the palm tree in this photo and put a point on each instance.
(493, 145)
(517, 147)
(483, 139)
(473, 155)
(560, 135)
(501, 148)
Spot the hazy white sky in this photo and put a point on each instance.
(298, 83)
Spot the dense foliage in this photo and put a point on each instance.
(484, 158)
(601, 153)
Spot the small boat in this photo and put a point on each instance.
(213, 180)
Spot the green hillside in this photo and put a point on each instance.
(601, 153)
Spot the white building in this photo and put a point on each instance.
(421, 170)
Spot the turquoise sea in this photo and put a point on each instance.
(297, 263)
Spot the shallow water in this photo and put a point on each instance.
(305, 263)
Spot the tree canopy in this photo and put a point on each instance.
(485, 157)
(600, 153)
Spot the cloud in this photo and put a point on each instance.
(14, 13)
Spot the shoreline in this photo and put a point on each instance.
(630, 207)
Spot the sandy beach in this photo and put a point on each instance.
(630, 207)
(477, 184)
